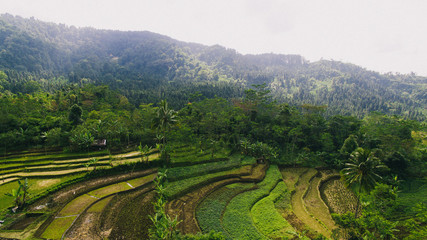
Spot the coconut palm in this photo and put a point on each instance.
(164, 120)
(360, 173)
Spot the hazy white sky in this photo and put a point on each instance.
(381, 35)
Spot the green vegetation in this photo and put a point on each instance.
(58, 227)
(70, 99)
(77, 205)
(209, 213)
(100, 205)
(38, 187)
(20, 194)
(102, 192)
(176, 188)
(164, 226)
(267, 219)
(360, 174)
(179, 173)
(237, 219)
(147, 67)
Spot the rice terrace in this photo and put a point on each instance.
(113, 134)
(187, 187)
(230, 194)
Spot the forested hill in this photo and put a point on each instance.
(147, 67)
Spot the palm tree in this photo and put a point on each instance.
(164, 120)
(360, 173)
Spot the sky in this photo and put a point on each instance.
(380, 35)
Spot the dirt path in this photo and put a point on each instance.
(298, 205)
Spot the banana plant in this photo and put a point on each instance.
(20, 194)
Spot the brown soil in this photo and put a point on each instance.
(124, 213)
(24, 222)
(84, 227)
(126, 216)
(298, 205)
(298, 224)
(185, 206)
(133, 222)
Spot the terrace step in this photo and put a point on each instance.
(185, 207)
(315, 204)
(59, 170)
(81, 204)
(6, 165)
(298, 204)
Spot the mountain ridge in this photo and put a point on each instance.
(147, 66)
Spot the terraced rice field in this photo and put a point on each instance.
(268, 219)
(315, 195)
(12, 169)
(210, 210)
(337, 197)
(237, 217)
(228, 194)
(82, 203)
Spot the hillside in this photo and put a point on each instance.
(147, 67)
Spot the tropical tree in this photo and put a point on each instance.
(360, 172)
(20, 194)
(144, 151)
(164, 120)
(75, 115)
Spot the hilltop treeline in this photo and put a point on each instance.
(73, 118)
(146, 67)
